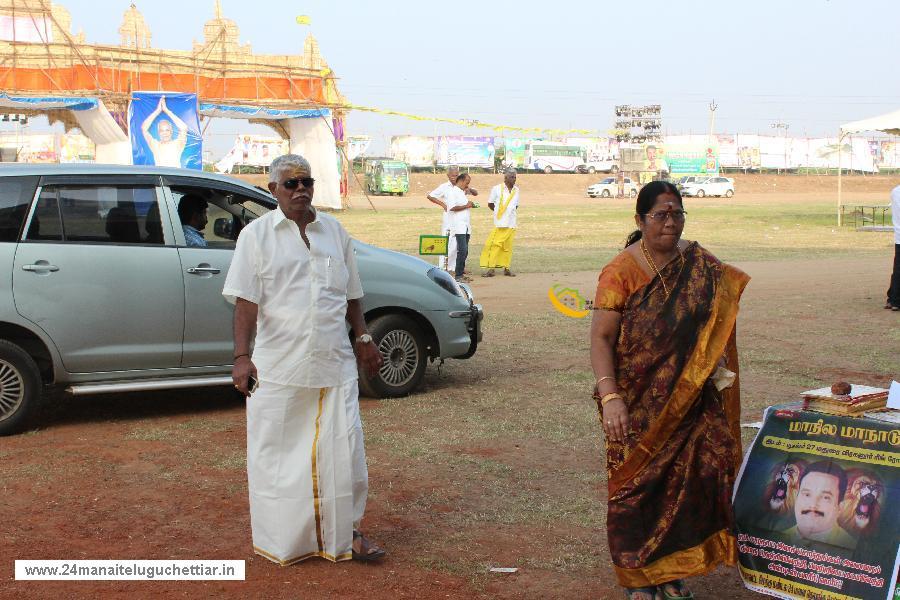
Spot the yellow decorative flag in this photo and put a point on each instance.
(303, 20)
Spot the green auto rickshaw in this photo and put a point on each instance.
(387, 177)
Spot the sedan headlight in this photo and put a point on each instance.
(443, 279)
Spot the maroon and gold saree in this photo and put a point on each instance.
(670, 480)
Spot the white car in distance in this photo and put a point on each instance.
(609, 188)
(711, 186)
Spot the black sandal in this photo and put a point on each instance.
(369, 552)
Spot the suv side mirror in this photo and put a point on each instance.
(224, 228)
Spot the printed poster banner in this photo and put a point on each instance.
(816, 508)
(889, 155)
(165, 130)
(514, 152)
(465, 151)
(414, 150)
(433, 245)
(693, 159)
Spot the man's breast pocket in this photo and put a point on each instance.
(333, 273)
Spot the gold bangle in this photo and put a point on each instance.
(610, 397)
(602, 379)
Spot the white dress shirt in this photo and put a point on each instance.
(501, 192)
(440, 192)
(302, 293)
(459, 221)
(895, 213)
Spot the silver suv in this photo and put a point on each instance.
(104, 295)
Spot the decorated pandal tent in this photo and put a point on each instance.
(45, 69)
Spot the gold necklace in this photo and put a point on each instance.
(652, 264)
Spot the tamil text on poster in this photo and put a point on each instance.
(815, 507)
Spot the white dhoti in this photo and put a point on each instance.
(450, 259)
(306, 469)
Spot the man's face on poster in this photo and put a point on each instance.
(164, 130)
(651, 154)
(816, 507)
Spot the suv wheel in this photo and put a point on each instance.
(701, 193)
(633, 193)
(20, 387)
(402, 347)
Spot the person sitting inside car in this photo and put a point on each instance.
(192, 212)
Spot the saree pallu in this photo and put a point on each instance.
(671, 479)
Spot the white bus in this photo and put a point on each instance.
(553, 157)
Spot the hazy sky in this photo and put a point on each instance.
(812, 64)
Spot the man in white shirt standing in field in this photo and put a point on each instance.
(893, 295)
(460, 222)
(294, 282)
(504, 201)
(439, 196)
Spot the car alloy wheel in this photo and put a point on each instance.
(20, 388)
(701, 193)
(606, 194)
(729, 193)
(401, 357)
(12, 389)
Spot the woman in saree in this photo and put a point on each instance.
(662, 346)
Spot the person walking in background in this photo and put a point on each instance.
(460, 223)
(438, 196)
(893, 294)
(665, 360)
(504, 201)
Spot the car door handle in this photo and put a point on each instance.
(41, 267)
(203, 270)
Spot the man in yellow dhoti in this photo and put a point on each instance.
(294, 282)
(504, 201)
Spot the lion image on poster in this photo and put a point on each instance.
(861, 509)
(784, 483)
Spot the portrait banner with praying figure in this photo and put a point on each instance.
(165, 130)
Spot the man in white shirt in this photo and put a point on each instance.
(504, 201)
(294, 283)
(460, 223)
(438, 196)
(893, 295)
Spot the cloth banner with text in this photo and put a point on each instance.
(816, 507)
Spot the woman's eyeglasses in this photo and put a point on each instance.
(294, 183)
(662, 215)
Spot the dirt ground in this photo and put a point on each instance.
(497, 461)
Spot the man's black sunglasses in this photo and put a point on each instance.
(293, 184)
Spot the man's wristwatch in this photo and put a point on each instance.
(364, 338)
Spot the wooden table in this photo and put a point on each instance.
(861, 211)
